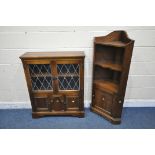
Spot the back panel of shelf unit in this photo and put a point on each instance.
(106, 74)
(108, 54)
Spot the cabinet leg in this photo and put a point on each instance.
(36, 116)
(115, 122)
(81, 116)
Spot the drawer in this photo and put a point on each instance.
(103, 100)
(72, 102)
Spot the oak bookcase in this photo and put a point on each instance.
(55, 82)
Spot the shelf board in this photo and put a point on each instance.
(59, 75)
(116, 67)
(68, 75)
(107, 85)
(112, 43)
(41, 75)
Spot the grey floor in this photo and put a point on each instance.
(132, 118)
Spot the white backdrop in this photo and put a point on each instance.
(14, 41)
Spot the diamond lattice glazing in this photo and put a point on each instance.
(68, 76)
(40, 76)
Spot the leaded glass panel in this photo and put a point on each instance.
(41, 77)
(68, 76)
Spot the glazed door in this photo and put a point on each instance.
(40, 74)
(68, 75)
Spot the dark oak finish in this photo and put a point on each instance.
(112, 57)
(55, 82)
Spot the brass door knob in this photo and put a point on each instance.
(119, 101)
(103, 99)
(73, 101)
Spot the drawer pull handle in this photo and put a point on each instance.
(57, 101)
(119, 101)
(103, 99)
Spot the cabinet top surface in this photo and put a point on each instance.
(64, 54)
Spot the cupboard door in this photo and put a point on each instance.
(72, 102)
(57, 102)
(103, 100)
(41, 103)
(68, 75)
(117, 106)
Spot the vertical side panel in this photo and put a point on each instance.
(126, 67)
(29, 85)
(81, 106)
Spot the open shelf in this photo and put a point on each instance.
(107, 76)
(115, 39)
(101, 73)
(107, 85)
(112, 43)
(112, 66)
(110, 55)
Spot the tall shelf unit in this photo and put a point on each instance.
(112, 57)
